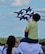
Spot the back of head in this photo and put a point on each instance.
(36, 17)
(11, 43)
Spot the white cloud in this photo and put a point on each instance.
(17, 3)
(25, 1)
(20, 2)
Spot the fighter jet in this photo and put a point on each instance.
(22, 17)
(18, 13)
(28, 9)
(30, 15)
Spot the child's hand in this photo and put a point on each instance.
(27, 19)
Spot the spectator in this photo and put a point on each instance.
(29, 44)
(29, 48)
(0, 49)
(10, 45)
(31, 30)
(43, 46)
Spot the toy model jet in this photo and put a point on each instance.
(28, 9)
(30, 15)
(18, 13)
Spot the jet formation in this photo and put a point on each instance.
(21, 15)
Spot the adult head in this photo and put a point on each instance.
(10, 43)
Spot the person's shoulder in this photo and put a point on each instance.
(24, 44)
(14, 48)
(38, 45)
(5, 49)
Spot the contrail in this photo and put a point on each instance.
(39, 11)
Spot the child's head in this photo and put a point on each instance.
(36, 17)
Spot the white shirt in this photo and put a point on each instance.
(0, 52)
(13, 51)
(1, 49)
(29, 48)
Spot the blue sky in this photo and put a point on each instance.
(10, 25)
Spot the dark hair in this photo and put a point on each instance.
(36, 17)
(11, 43)
(43, 43)
(0, 43)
